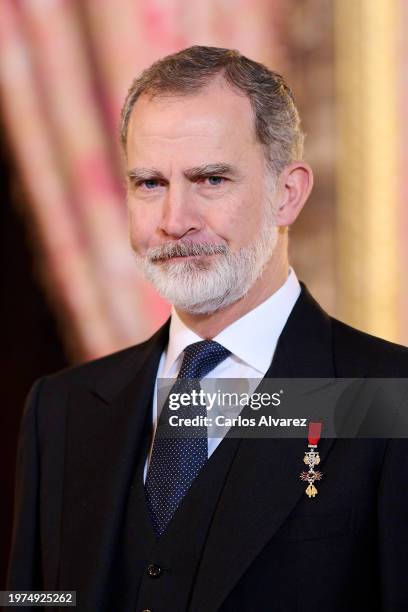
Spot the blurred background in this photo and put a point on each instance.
(71, 291)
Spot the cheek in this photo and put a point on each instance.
(141, 226)
(241, 218)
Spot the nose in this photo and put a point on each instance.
(179, 215)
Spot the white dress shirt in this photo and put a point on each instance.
(252, 341)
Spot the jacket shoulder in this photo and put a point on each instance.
(90, 372)
(355, 347)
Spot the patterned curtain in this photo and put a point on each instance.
(65, 67)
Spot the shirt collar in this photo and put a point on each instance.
(251, 339)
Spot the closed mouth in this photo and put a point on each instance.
(184, 257)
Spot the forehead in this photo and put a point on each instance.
(215, 118)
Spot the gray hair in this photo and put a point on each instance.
(277, 122)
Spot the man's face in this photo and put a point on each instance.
(200, 199)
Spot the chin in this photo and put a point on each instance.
(191, 287)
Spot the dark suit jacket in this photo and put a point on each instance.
(269, 547)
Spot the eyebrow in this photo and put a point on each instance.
(145, 174)
(209, 170)
(193, 174)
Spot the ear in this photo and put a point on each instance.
(294, 186)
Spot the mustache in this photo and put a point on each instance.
(184, 249)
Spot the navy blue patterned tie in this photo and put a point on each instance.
(175, 462)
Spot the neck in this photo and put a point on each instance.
(207, 326)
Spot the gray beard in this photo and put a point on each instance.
(207, 285)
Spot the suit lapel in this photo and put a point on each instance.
(263, 485)
(105, 427)
(107, 420)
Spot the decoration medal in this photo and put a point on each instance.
(312, 459)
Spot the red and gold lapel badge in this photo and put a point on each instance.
(312, 459)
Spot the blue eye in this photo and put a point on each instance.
(215, 180)
(150, 183)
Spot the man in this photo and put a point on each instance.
(134, 521)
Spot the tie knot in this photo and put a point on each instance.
(200, 358)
